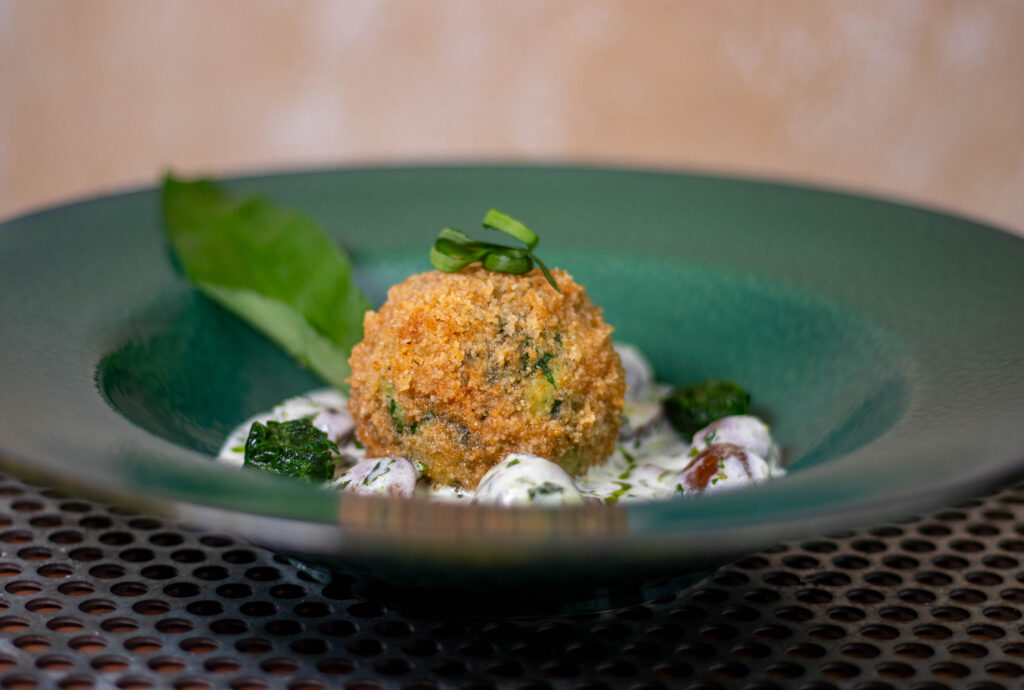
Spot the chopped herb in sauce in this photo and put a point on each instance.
(614, 497)
(656, 463)
(630, 467)
(545, 489)
(379, 470)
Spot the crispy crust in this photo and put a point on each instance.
(457, 370)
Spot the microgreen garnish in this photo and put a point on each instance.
(454, 250)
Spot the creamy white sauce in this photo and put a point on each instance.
(393, 476)
(651, 461)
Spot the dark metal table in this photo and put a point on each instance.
(92, 596)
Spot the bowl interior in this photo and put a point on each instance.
(827, 379)
(882, 342)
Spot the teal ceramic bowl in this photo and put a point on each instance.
(883, 342)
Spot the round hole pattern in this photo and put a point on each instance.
(95, 597)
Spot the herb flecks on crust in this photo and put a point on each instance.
(459, 370)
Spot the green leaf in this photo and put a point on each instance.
(443, 262)
(272, 266)
(286, 327)
(461, 250)
(547, 273)
(454, 235)
(496, 220)
(508, 260)
(454, 250)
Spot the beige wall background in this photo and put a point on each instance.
(918, 100)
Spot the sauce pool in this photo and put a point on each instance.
(650, 462)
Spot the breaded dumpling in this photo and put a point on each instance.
(457, 370)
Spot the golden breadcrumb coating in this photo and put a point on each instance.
(457, 370)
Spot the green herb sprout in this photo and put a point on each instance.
(454, 250)
(295, 449)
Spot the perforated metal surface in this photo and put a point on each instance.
(94, 597)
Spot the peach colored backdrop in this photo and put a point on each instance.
(916, 99)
